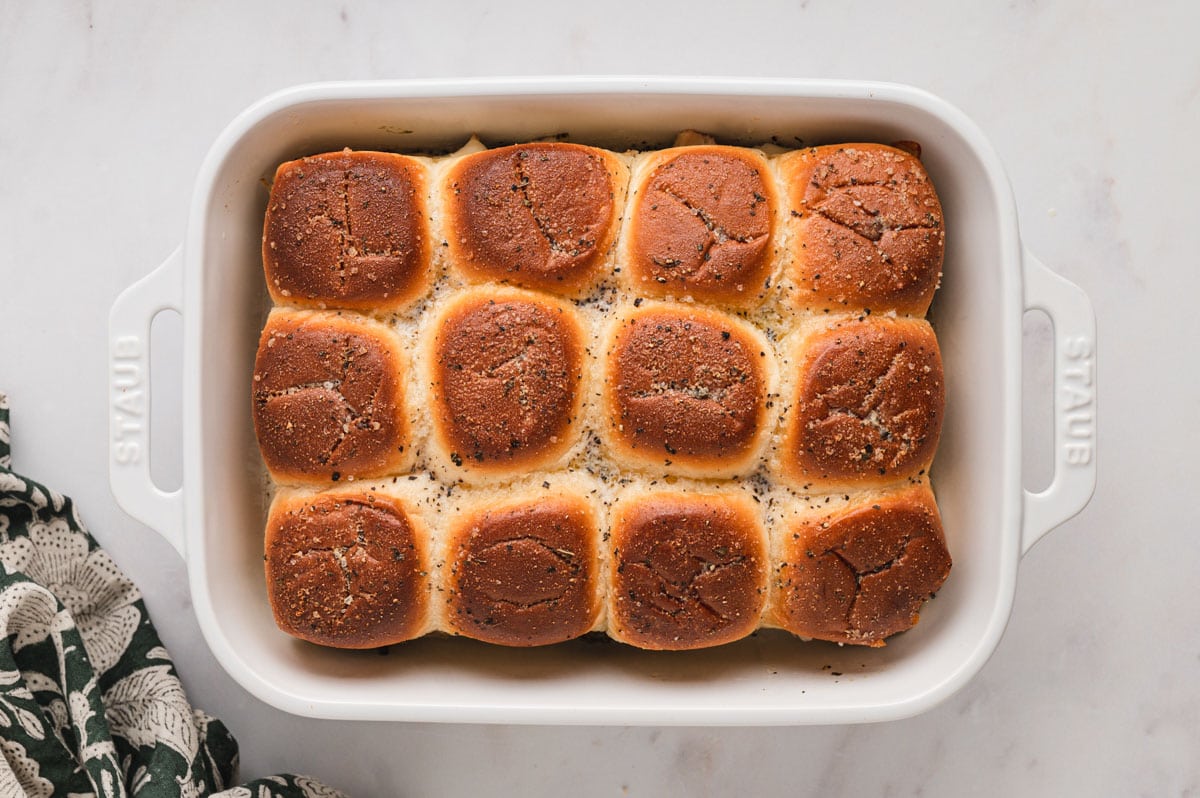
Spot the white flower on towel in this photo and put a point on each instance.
(14, 700)
(28, 614)
(148, 707)
(22, 776)
(98, 596)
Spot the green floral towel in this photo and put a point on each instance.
(90, 704)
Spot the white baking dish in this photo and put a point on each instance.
(215, 521)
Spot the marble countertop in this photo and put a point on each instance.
(107, 109)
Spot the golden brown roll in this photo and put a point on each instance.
(686, 570)
(866, 404)
(865, 228)
(348, 230)
(347, 569)
(505, 369)
(329, 398)
(701, 223)
(862, 572)
(685, 390)
(524, 571)
(540, 215)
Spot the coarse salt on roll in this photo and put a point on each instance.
(686, 390)
(865, 228)
(865, 401)
(701, 224)
(329, 398)
(523, 568)
(541, 215)
(687, 569)
(860, 572)
(348, 230)
(505, 371)
(348, 568)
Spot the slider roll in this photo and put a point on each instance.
(867, 404)
(687, 571)
(348, 230)
(541, 215)
(347, 569)
(328, 399)
(865, 229)
(861, 573)
(685, 390)
(505, 369)
(701, 224)
(525, 572)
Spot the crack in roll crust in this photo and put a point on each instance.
(701, 225)
(328, 398)
(347, 230)
(526, 574)
(866, 228)
(346, 571)
(869, 404)
(541, 215)
(862, 575)
(506, 373)
(687, 571)
(686, 389)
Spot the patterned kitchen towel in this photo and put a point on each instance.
(90, 704)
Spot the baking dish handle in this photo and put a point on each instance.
(1074, 321)
(129, 399)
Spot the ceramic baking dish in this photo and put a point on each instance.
(215, 520)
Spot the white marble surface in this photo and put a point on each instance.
(106, 110)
